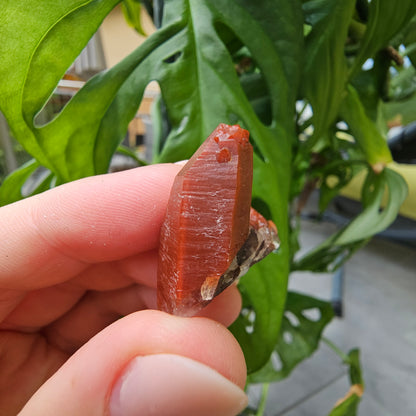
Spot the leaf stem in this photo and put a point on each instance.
(126, 151)
(410, 49)
(357, 30)
(337, 351)
(300, 113)
(263, 399)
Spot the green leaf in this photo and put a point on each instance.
(257, 93)
(403, 109)
(348, 405)
(372, 86)
(339, 164)
(386, 19)
(336, 177)
(11, 189)
(334, 251)
(191, 72)
(355, 372)
(374, 219)
(364, 130)
(194, 109)
(410, 40)
(299, 336)
(131, 10)
(325, 63)
(212, 94)
(403, 84)
(81, 140)
(45, 27)
(258, 325)
(126, 151)
(200, 88)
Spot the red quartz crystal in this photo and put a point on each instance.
(207, 221)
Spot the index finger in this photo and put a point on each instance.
(48, 238)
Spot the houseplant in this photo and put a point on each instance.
(291, 72)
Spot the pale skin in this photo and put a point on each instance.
(77, 297)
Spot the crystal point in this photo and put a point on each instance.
(207, 221)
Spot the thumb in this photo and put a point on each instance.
(149, 363)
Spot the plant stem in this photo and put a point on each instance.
(263, 399)
(357, 30)
(410, 49)
(337, 351)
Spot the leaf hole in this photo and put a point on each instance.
(332, 181)
(56, 103)
(249, 329)
(313, 314)
(173, 58)
(287, 337)
(368, 64)
(88, 63)
(250, 75)
(292, 318)
(249, 315)
(245, 311)
(307, 28)
(38, 181)
(304, 115)
(276, 361)
(304, 111)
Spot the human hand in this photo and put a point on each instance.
(73, 261)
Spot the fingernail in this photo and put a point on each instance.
(182, 162)
(167, 384)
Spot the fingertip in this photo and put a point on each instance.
(171, 384)
(95, 219)
(107, 217)
(225, 307)
(98, 365)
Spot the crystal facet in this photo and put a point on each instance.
(211, 235)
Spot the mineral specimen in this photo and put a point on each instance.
(211, 235)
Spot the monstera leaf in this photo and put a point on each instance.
(365, 132)
(376, 216)
(54, 34)
(194, 57)
(190, 57)
(385, 20)
(348, 405)
(304, 320)
(326, 65)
